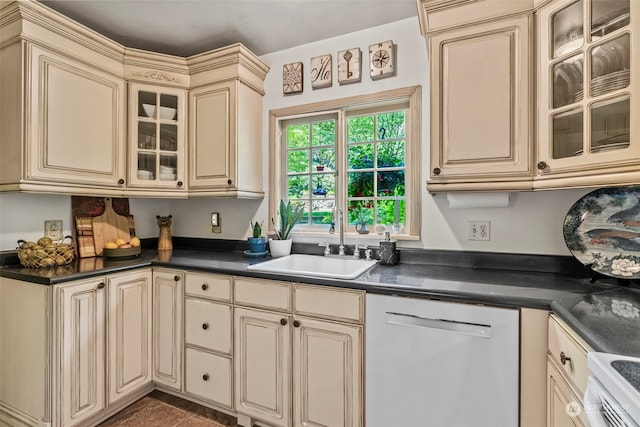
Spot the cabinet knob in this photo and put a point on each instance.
(205, 286)
(296, 323)
(283, 322)
(205, 377)
(176, 278)
(205, 326)
(542, 165)
(564, 359)
(101, 285)
(437, 171)
(229, 182)
(121, 181)
(179, 183)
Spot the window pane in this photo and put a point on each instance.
(305, 216)
(388, 213)
(323, 159)
(360, 156)
(298, 186)
(322, 211)
(360, 129)
(298, 136)
(324, 185)
(323, 133)
(391, 183)
(391, 154)
(360, 184)
(391, 125)
(568, 33)
(298, 161)
(361, 211)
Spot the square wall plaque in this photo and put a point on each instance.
(292, 78)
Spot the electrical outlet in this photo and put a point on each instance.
(53, 229)
(479, 230)
(216, 225)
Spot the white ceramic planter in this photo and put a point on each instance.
(280, 248)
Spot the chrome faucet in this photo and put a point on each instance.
(341, 225)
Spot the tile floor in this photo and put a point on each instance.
(164, 410)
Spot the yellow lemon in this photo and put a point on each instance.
(120, 241)
(110, 245)
(134, 242)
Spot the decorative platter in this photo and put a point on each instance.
(602, 230)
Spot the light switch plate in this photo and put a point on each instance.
(53, 229)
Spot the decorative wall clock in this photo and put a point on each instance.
(349, 66)
(382, 60)
(292, 78)
(321, 71)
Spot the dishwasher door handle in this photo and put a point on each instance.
(467, 328)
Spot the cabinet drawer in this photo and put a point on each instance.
(563, 341)
(209, 286)
(329, 303)
(269, 294)
(209, 376)
(208, 325)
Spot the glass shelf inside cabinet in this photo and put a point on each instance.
(608, 16)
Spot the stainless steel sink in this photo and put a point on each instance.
(316, 266)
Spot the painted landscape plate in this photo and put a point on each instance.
(602, 230)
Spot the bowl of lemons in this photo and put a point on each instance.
(120, 248)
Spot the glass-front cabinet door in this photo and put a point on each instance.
(588, 86)
(157, 120)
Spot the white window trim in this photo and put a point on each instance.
(411, 94)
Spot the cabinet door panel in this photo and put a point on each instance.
(76, 132)
(327, 373)
(560, 399)
(262, 345)
(81, 338)
(212, 139)
(480, 102)
(129, 333)
(167, 328)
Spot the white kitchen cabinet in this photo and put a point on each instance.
(586, 96)
(167, 340)
(225, 110)
(298, 352)
(80, 350)
(208, 337)
(481, 100)
(567, 375)
(62, 111)
(129, 333)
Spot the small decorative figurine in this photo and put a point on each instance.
(164, 241)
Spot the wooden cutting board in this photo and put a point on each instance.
(109, 226)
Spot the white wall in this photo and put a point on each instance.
(531, 224)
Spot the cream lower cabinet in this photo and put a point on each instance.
(300, 364)
(168, 288)
(567, 375)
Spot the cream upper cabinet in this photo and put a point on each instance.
(480, 106)
(128, 333)
(62, 109)
(587, 98)
(157, 138)
(225, 122)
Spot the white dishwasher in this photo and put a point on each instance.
(440, 364)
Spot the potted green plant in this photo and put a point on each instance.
(257, 243)
(289, 215)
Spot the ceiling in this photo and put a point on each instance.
(188, 27)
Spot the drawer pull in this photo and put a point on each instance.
(296, 323)
(564, 359)
(205, 326)
(205, 286)
(205, 377)
(101, 285)
(283, 322)
(176, 278)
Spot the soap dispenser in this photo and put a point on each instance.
(388, 252)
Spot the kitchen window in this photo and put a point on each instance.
(360, 154)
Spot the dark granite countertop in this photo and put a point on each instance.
(585, 306)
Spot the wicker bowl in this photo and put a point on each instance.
(32, 255)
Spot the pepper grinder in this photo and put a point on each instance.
(388, 252)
